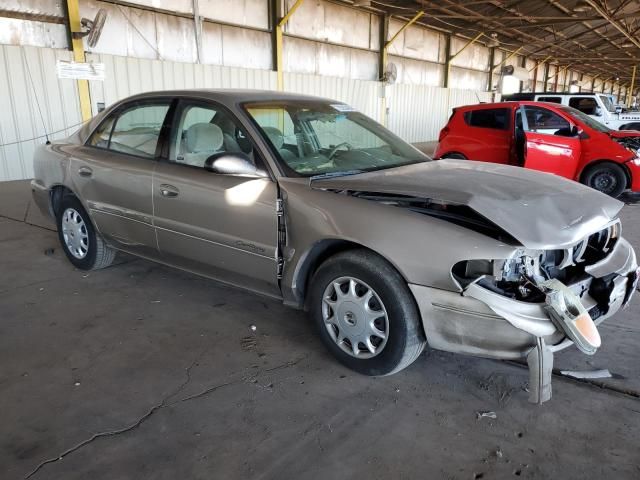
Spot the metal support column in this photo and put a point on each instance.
(492, 58)
(447, 55)
(546, 77)
(633, 84)
(197, 21)
(384, 45)
(277, 27)
(73, 13)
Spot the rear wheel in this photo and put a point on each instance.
(365, 313)
(608, 178)
(84, 248)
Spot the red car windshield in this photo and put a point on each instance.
(584, 118)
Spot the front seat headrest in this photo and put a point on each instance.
(203, 137)
(275, 135)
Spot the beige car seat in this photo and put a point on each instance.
(277, 139)
(201, 141)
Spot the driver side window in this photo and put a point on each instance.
(541, 120)
(205, 130)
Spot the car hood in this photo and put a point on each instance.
(624, 133)
(540, 210)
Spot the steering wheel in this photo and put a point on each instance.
(335, 149)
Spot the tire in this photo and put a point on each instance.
(405, 338)
(608, 178)
(84, 248)
(455, 156)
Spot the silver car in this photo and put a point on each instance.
(311, 202)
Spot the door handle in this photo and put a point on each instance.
(85, 172)
(167, 190)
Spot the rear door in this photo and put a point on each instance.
(222, 226)
(490, 135)
(112, 174)
(549, 144)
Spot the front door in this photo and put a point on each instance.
(222, 226)
(550, 144)
(113, 174)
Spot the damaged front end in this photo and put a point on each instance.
(533, 262)
(557, 296)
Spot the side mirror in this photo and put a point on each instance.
(231, 163)
(598, 112)
(575, 131)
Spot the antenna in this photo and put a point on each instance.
(93, 28)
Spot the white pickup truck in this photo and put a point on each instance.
(596, 105)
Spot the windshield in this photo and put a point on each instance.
(608, 104)
(584, 118)
(322, 138)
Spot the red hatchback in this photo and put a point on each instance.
(547, 137)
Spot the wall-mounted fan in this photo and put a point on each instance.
(92, 28)
(390, 73)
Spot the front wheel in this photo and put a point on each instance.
(84, 248)
(608, 178)
(365, 313)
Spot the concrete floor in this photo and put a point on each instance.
(139, 371)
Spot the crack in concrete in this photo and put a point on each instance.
(17, 220)
(162, 404)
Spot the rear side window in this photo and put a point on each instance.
(496, 118)
(550, 99)
(134, 130)
(585, 104)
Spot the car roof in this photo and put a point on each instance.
(231, 95)
(552, 94)
(507, 103)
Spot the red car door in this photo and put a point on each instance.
(551, 143)
(487, 134)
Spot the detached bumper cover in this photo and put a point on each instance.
(484, 323)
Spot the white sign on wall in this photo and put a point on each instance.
(80, 70)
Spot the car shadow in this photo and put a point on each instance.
(630, 198)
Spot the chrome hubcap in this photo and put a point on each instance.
(355, 317)
(74, 232)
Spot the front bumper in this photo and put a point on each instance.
(484, 323)
(634, 170)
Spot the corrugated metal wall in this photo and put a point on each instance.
(127, 76)
(418, 112)
(24, 70)
(364, 95)
(415, 112)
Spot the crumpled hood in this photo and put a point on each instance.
(540, 210)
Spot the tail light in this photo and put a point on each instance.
(443, 133)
